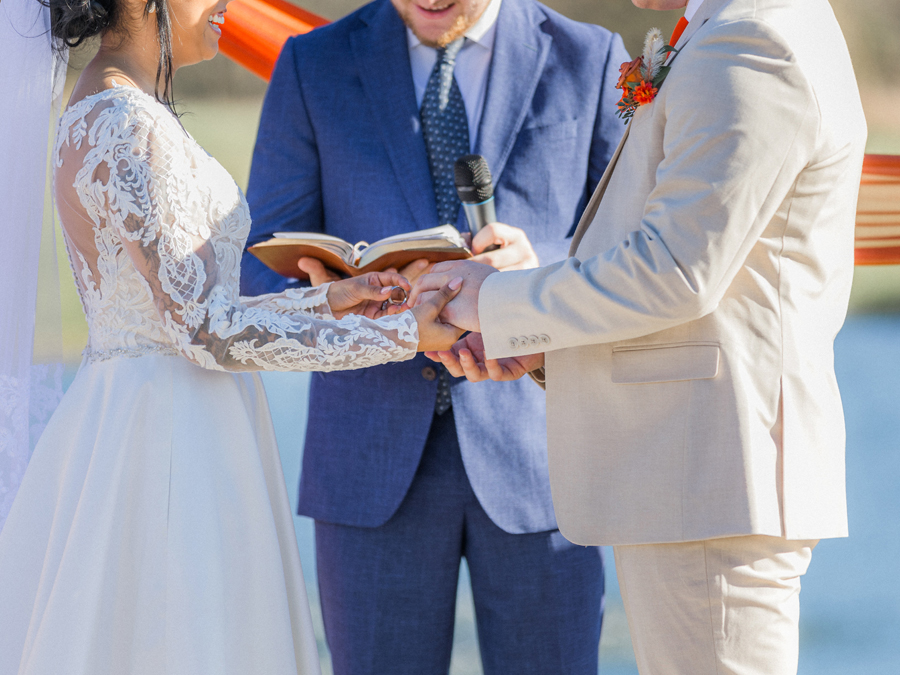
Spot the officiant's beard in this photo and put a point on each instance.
(462, 22)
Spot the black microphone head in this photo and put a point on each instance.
(473, 179)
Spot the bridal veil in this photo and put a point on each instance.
(32, 74)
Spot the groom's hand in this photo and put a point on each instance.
(466, 358)
(462, 311)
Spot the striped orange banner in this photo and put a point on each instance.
(256, 30)
(878, 213)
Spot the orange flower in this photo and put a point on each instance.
(630, 72)
(644, 93)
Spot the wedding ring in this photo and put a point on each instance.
(398, 295)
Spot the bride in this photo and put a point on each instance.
(152, 532)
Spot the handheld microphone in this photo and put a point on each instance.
(475, 190)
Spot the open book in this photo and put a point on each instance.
(284, 249)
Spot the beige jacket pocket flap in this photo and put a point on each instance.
(665, 363)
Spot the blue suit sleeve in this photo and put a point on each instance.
(284, 191)
(608, 130)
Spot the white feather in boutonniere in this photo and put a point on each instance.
(641, 79)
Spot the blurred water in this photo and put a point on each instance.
(851, 595)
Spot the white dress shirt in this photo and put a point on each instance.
(472, 66)
(691, 9)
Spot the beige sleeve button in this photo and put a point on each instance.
(513, 343)
(545, 339)
(534, 340)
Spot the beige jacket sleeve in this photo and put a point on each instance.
(726, 170)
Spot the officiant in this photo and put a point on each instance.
(405, 469)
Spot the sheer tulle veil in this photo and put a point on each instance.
(32, 74)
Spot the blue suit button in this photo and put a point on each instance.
(429, 373)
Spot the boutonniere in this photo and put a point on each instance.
(641, 79)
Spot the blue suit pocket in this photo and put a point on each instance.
(539, 192)
(548, 132)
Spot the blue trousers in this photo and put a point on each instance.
(389, 593)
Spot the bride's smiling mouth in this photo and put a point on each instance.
(215, 21)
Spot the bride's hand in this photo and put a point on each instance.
(434, 334)
(368, 295)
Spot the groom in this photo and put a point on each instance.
(404, 470)
(694, 419)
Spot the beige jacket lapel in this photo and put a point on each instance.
(706, 10)
(591, 209)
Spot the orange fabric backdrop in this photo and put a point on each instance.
(256, 30)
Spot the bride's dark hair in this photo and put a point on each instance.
(74, 21)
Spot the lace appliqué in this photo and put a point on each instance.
(168, 229)
(97, 355)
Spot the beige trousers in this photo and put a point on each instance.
(726, 606)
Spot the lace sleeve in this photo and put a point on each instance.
(310, 300)
(143, 186)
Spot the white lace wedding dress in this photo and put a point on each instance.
(152, 532)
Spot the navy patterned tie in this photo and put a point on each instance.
(445, 128)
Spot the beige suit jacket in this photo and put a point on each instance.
(691, 390)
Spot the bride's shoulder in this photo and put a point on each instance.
(122, 105)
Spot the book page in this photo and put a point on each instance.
(443, 238)
(335, 245)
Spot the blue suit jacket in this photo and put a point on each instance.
(340, 150)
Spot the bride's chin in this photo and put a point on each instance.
(211, 47)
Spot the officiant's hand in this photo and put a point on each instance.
(434, 334)
(463, 310)
(466, 358)
(317, 272)
(513, 252)
(368, 295)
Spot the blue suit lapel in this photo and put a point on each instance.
(520, 52)
(382, 57)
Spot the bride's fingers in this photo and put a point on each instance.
(445, 293)
(421, 298)
(435, 335)
(389, 278)
(428, 283)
